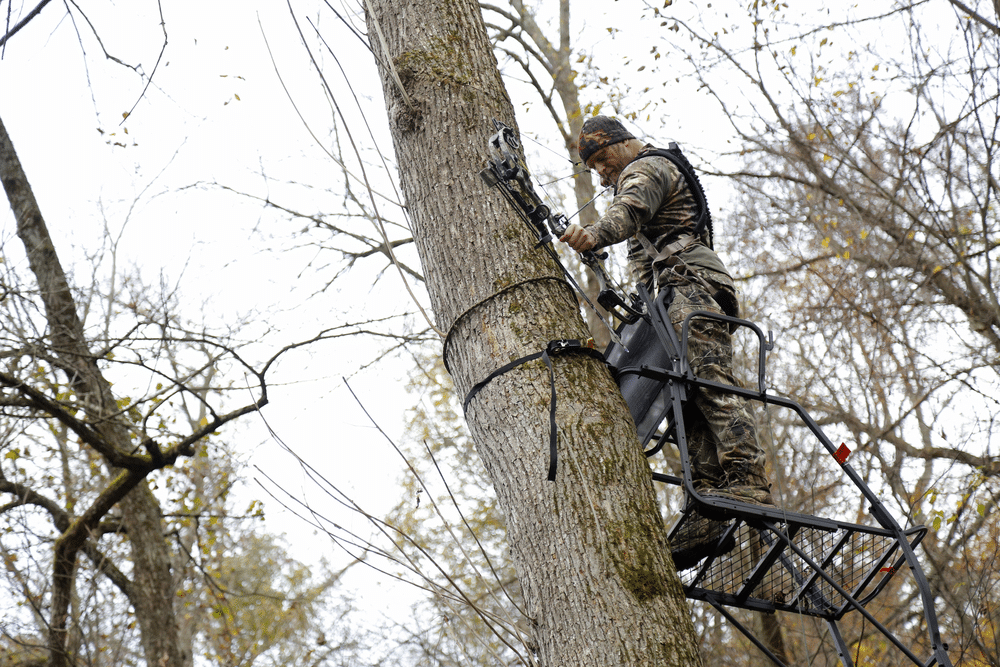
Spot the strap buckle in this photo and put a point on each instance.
(563, 344)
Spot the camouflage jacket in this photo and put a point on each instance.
(652, 196)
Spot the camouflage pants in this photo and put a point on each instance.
(721, 430)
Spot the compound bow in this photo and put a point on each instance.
(508, 173)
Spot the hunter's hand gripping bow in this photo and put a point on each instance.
(505, 171)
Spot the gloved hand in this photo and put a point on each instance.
(578, 238)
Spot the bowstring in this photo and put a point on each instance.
(616, 284)
(551, 150)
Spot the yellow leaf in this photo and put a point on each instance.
(236, 96)
(812, 135)
(938, 269)
(125, 114)
(875, 69)
(792, 50)
(826, 242)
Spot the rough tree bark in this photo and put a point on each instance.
(591, 548)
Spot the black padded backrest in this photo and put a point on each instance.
(641, 393)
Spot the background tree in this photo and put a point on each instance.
(77, 460)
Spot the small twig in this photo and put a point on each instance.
(163, 25)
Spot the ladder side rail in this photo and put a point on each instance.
(843, 650)
(660, 319)
(927, 597)
(682, 447)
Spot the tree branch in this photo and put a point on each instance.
(992, 27)
(23, 22)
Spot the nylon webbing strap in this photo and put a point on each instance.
(560, 346)
(667, 252)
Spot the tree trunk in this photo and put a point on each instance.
(152, 593)
(590, 549)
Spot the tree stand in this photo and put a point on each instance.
(782, 561)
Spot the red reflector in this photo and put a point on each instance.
(890, 570)
(841, 454)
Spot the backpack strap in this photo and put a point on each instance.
(673, 153)
(660, 256)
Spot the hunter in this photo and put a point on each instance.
(656, 212)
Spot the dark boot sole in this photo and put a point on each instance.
(685, 559)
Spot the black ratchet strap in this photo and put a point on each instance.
(560, 346)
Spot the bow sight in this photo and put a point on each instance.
(507, 172)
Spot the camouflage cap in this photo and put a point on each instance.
(598, 132)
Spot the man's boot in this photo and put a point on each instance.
(697, 539)
(744, 483)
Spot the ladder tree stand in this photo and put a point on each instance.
(782, 561)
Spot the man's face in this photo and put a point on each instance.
(606, 166)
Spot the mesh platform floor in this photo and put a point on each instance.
(797, 567)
